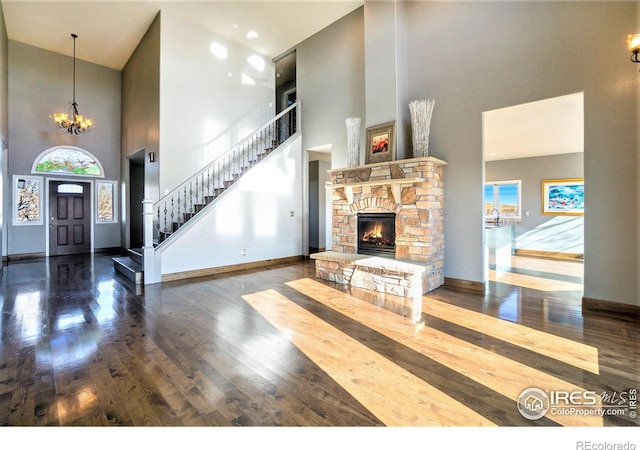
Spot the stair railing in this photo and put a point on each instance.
(176, 208)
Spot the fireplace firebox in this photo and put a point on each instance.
(377, 234)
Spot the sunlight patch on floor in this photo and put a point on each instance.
(492, 370)
(395, 396)
(570, 268)
(567, 351)
(532, 282)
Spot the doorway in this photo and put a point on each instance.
(286, 94)
(136, 195)
(319, 204)
(524, 146)
(70, 218)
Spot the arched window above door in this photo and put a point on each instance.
(68, 160)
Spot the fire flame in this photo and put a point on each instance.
(374, 233)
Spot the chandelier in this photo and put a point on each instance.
(73, 121)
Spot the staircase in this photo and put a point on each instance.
(173, 212)
(130, 266)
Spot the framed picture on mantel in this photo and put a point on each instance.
(381, 143)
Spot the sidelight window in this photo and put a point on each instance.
(106, 202)
(27, 200)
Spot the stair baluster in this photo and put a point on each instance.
(179, 206)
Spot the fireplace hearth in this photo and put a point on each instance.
(377, 234)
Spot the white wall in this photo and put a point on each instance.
(255, 215)
(204, 107)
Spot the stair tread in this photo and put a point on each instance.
(128, 268)
(128, 263)
(135, 254)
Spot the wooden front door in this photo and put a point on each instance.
(70, 218)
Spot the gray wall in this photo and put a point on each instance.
(637, 29)
(141, 102)
(141, 121)
(386, 71)
(536, 231)
(4, 124)
(4, 79)
(330, 75)
(474, 57)
(40, 84)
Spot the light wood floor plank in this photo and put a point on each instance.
(501, 374)
(533, 282)
(571, 268)
(395, 396)
(82, 346)
(565, 350)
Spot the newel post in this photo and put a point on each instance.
(151, 271)
(147, 222)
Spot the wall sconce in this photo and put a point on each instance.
(152, 157)
(633, 44)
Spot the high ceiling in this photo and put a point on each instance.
(109, 31)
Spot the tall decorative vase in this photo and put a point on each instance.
(353, 141)
(421, 111)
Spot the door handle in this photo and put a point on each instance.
(51, 222)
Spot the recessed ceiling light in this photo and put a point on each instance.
(252, 34)
(219, 50)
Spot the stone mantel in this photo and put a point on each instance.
(431, 159)
(394, 174)
(394, 184)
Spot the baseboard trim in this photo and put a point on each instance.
(110, 251)
(465, 285)
(230, 268)
(592, 306)
(578, 257)
(25, 256)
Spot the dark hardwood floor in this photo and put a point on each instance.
(82, 346)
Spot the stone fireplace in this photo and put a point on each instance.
(412, 190)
